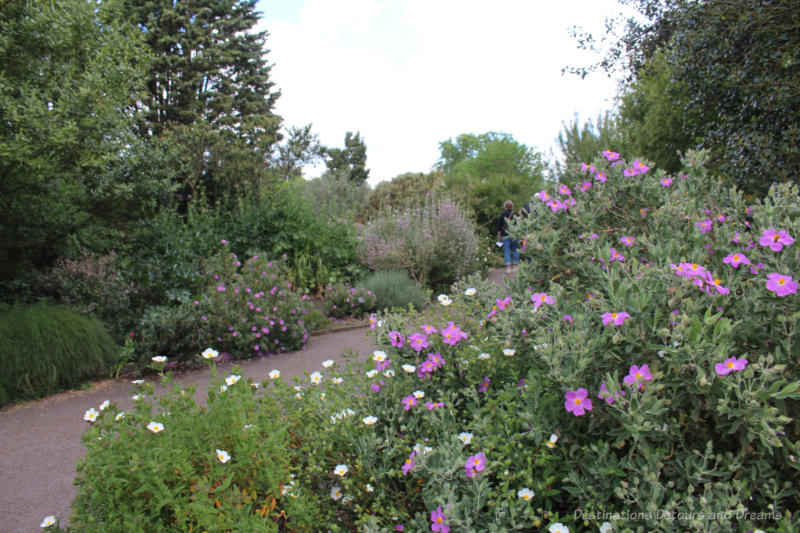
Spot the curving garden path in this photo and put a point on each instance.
(40, 442)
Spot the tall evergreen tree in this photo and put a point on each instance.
(351, 160)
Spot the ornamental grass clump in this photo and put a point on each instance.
(435, 243)
(249, 308)
(394, 290)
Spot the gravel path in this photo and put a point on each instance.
(40, 442)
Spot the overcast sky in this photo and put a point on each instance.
(408, 74)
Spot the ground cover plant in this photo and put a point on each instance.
(640, 374)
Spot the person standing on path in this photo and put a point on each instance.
(510, 245)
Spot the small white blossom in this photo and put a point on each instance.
(208, 353)
(155, 427)
(558, 527)
(605, 527)
(369, 420)
(138, 382)
(223, 456)
(120, 416)
(465, 437)
(328, 363)
(274, 374)
(104, 405)
(368, 488)
(337, 380)
(444, 299)
(316, 378)
(341, 470)
(371, 374)
(389, 373)
(137, 397)
(509, 351)
(336, 493)
(223, 388)
(418, 394)
(552, 442)
(232, 380)
(525, 494)
(484, 356)
(48, 521)
(409, 368)
(379, 356)
(470, 292)
(159, 359)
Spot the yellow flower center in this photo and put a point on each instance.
(577, 401)
(638, 375)
(775, 237)
(695, 266)
(730, 364)
(439, 520)
(717, 281)
(735, 257)
(543, 297)
(408, 461)
(781, 281)
(613, 315)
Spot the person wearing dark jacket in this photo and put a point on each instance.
(510, 246)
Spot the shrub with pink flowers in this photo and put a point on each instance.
(248, 308)
(435, 243)
(343, 300)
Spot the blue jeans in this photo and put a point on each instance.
(510, 245)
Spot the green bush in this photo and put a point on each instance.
(140, 477)
(47, 348)
(250, 309)
(342, 300)
(394, 290)
(175, 330)
(435, 243)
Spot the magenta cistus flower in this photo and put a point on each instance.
(475, 463)
(615, 256)
(637, 375)
(578, 402)
(543, 196)
(628, 241)
(427, 328)
(418, 341)
(781, 284)
(409, 463)
(775, 240)
(541, 298)
(610, 156)
(735, 260)
(616, 319)
(409, 402)
(437, 521)
(452, 334)
(704, 225)
(601, 177)
(564, 190)
(585, 186)
(396, 339)
(730, 365)
(567, 318)
(666, 182)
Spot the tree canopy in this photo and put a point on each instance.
(351, 160)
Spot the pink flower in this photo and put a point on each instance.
(485, 384)
(567, 318)
(437, 521)
(452, 334)
(610, 156)
(735, 260)
(704, 225)
(541, 298)
(615, 256)
(729, 365)
(692, 269)
(418, 341)
(556, 205)
(616, 319)
(564, 190)
(780, 284)
(585, 186)
(436, 359)
(427, 328)
(636, 375)
(433, 405)
(666, 182)
(601, 177)
(409, 463)
(475, 463)
(397, 339)
(409, 402)
(577, 402)
(775, 240)
(627, 241)
(543, 196)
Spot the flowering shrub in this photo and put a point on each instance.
(249, 309)
(343, 300)
(435, 243)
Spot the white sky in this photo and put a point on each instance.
(408, 74)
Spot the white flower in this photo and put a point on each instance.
(509, 351)
(465, 437)
(389, 373)
(248, 426)
(558, 527)
(347, 499)
(255, 385)
(223, 388)
(137, 397)
(336, 493)
(368, 488)
(379, 356)
(104, 405)
(48, 521)
(409, 368)
(418, 394)
(525, 494)
(120, 416)
(208, 353)
(316, 378)
(605, 527)
(298, 388)
(274, 374)
(159, 359)
(328, 363)
(90, 415)
(371, 374)
(223, 456)
(484, 355)
(155, 427)
(341, 470)
(444, 299)
(298, 395)
(337, 380)
(369, 420)
(232, 380)
(380, 323)
(138, 382)
(470, 292)
(552, 442)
